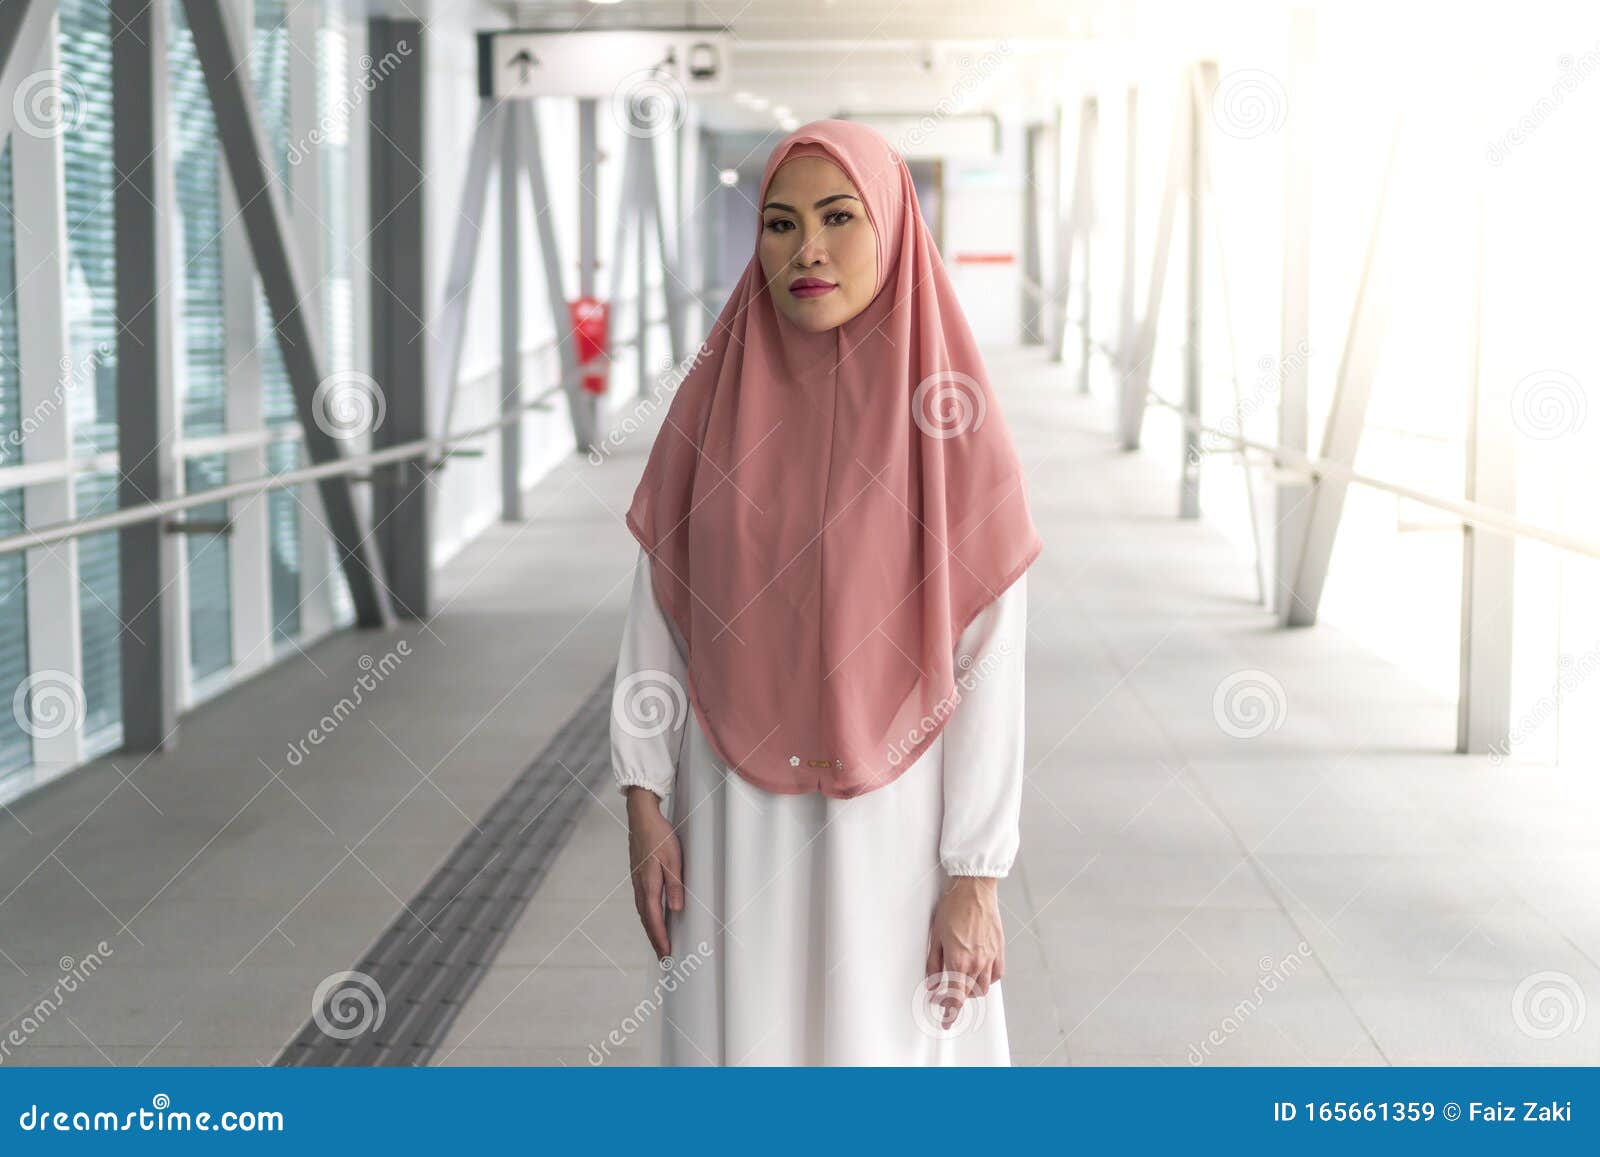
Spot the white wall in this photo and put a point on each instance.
(983, 214)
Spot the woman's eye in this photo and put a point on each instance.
(836, 217)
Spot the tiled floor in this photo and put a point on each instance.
(1338, 890)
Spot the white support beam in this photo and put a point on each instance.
(589, 228)
(249, 546)
(710, 244)
(589, 195)
(1128, 318)
(48, 374)
(641, 299)
(627, 220)
(217, 42)
(450, 332)
(1035, 303)
(306, 216)
(581, 409)
(650, 184)
(1291, 497)
(1488, 560)
(1077, 227)
(1136, 379)
(1203, 82)
(1055, 286)
(26, 26)
(690, 209)
(628, 237)
(510, 321)
(1085, 221)
(1347, 416)
(1205, 88)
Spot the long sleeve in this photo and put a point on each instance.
(983, 741)
(650, 706)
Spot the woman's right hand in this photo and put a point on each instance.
(656, 863)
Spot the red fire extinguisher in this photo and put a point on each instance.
(590, 317)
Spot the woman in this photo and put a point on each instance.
(833, 537)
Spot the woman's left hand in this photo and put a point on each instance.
(966, 937)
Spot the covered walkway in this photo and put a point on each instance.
(1337, 889)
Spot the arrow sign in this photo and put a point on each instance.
(522, 65)
(525, 62)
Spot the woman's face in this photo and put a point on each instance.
(815, 232)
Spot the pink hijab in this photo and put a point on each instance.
(826, 513)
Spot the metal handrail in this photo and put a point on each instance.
(1319, 468)
(23, 474)
(1474, 513)
(149, 511)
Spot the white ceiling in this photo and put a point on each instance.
(828, 19)
(822, 58)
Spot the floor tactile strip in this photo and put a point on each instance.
(439, 947)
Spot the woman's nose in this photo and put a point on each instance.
(811, 251)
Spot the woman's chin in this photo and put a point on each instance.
(815, 320)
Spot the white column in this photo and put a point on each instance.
(307, 212)
(249, 562)
(47, 376)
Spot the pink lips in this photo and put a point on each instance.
(810, 287)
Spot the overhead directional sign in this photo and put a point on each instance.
(514, 65)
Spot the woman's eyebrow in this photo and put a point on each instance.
(818, 205)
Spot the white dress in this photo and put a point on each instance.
(805, 929)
